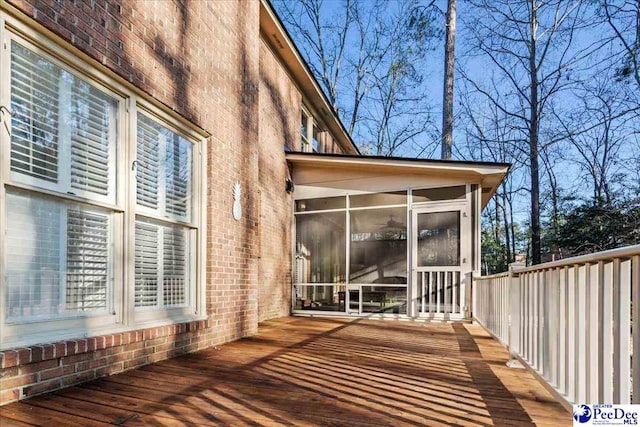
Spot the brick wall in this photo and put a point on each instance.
(201, 59)
(42, 368)
(279, 106)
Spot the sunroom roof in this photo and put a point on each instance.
(376, 173)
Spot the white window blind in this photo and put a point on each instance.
(148, 163)
(63, 130)
(92, 139)
(164, 164)
(87, 260)
(58, 259)
(174, 264)
(34, 124)
(146, 265)
(161, 265)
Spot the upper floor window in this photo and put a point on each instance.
(311, 135)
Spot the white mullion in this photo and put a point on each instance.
(445, 284)
(438, 283)
(127, 153)
(200, 215)
(160, 259)
(114, 222)
(5, 163)
(191, 155)
(347, 267)
(114, 151)
(431, 292)
(64, 134)
(453, 291)
(411, 295)
(423, 291)
(310, 132)
(62, 274)
(191, 266)
(162, 175)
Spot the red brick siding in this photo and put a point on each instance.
(25, 372)
(201, 59)
(279, 125)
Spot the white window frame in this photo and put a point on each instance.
(307, 140)
(64, 143)
(195, 223)
(121, 315)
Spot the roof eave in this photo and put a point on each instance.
(488, 174)
(281, 42)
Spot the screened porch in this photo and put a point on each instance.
(386, 237)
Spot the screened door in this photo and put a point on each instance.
(440, 243)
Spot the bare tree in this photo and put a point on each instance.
(370, 58)
(533, 54)
(623, 17)
(449, 68)
(494, 136)
(599, 150)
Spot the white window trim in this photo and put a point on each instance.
(122, 316)
(307, 140)
(64, 185)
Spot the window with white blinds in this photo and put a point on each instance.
(64, 130)
(163, 189)
(164, 165)
(161, 265)
(58, 258)
(74, 249)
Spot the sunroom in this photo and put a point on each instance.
(387, 237)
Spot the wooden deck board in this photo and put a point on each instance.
(310, 372)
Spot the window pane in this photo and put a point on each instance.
(34, 123)
(164, 169)
(148, 162)
(384, 299)
(58, 116)
(174, 264)
(434, 194)
(93, 133)
(304, 123)
(321, 298)
(161, 265)
(322, 204)
(146, 264)
(178, 176)
(57, 258)
(378, 246)
(87, 260)
(378, 199)
(320, 248)
(315, 142)
(439, 239)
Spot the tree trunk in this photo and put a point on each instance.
(533, 142)
(449, 64)
(507, 237)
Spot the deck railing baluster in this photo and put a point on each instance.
(571, 321)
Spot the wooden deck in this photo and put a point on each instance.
(308, 372)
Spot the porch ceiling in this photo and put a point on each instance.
(314, 169)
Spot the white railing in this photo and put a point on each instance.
(440, 293)
(570, 321)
